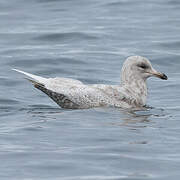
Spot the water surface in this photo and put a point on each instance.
(88, 40)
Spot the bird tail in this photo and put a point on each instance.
(34, 79)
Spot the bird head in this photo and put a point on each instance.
(138, 67)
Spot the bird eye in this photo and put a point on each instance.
(143, 66)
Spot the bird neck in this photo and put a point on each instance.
(138, 88)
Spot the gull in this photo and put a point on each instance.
(73, 94)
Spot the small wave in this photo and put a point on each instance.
(47, 1)
(8, 101)
(71, 36)
(174, 2)
(47, 65)
(120, 3)
(171, 44)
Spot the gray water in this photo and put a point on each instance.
(88, 40)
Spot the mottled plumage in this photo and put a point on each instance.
(73, 94)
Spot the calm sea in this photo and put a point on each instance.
(88, 40)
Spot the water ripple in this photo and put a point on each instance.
(64, 37)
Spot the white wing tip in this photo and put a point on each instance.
(16, 70)
(27, 74)
(32, 76)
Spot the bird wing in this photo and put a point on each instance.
(32, 76)
(66, 92)
(82, 95)
(73, 94)
(43, 80)
(61, 99)
(64, 81)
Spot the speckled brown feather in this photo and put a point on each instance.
(60, 99)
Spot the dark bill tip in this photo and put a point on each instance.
(163, 76)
